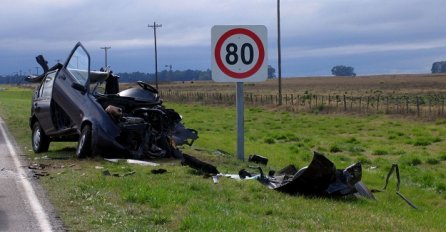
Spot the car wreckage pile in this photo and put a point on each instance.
(71, 104)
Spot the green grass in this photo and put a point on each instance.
(181, 199)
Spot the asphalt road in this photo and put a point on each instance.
(23, 205)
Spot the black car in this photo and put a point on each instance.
(73, 103)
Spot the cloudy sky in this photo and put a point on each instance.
(373, 36)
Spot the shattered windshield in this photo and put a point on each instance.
(78, 65)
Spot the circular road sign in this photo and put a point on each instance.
(239, 53)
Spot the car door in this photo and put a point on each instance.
(71, 84)
(42, 103)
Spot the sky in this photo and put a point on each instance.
(373, 36)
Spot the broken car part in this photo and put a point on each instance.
(199, 165)
(397, 172)
(320, 178)
(258, 159)
(132, 161)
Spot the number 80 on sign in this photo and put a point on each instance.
(239, 53)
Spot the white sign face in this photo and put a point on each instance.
(239, 53)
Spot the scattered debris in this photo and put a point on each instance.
(258, 159)
(133, 161)
(107, 173)
(158, 171)
(37, 166)
(397, 172)
(320, 178)
(199, 165)
(221, 152)
(37, 175)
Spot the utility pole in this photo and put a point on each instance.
(279, 57)
(105, 49)
(155, 26)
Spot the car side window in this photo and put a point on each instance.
(47, 87)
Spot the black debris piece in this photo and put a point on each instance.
(39, 174)
(258, 159)
(158, 171)
(243, 174)
(199, 165)
(320, 178)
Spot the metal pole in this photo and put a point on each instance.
(279, 58)
(240, 121)
(105, 54)
(155, 26)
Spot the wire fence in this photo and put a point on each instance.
(430, 106)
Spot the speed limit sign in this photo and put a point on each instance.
(239, 53)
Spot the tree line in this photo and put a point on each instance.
(199, 75)
(177, 75)
(342, 70)
(163, 76)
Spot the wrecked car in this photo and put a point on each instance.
(74, 103)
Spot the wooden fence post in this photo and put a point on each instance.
(368, 103)
(407, 105)
(377, 104)
(442, 106)
(418, 107)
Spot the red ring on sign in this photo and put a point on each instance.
(222, 66)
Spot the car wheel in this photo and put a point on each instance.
(84, 145)
(40, 141)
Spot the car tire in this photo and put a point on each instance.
(84, 145)
(40, 141)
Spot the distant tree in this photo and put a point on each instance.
(439, 67)
(271, 72)
(341, 70)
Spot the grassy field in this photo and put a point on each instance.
(182, 199)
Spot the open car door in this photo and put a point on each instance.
(70, 90)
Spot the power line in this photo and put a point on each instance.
(155, 26)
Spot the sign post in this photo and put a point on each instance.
(239, 55)
(240, 104)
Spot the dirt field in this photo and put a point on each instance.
(410, 84)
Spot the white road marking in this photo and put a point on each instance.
(34, 202)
